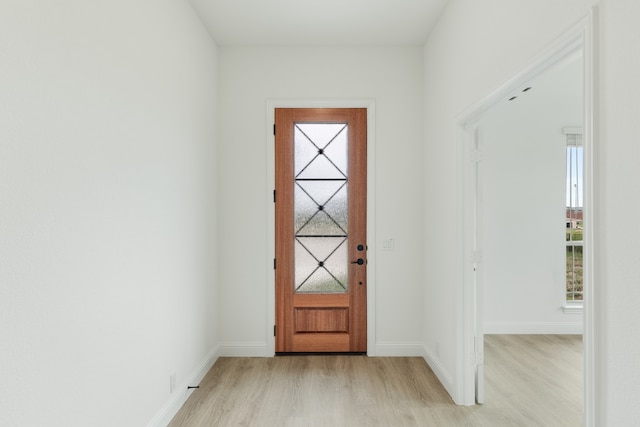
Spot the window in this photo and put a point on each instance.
(574, 221)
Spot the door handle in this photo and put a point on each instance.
(359, 261)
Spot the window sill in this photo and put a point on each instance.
(572, 309)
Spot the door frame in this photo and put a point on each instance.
(582, 35)
(369, 104)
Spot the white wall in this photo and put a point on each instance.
(107, 211)
(523, 181)
(617, 255)
(476, 47)
(249, 77)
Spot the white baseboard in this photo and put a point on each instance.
(245, 349)
(417, 350)
(173, 405)
(261, 349)
(443, 375)
(538, 328)
(399, 349)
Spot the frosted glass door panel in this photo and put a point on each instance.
(320, 207)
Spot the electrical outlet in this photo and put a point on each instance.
(172, 382)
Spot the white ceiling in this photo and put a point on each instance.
(319, 22)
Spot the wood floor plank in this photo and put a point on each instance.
(531, 380)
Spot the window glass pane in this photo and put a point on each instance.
(574, 190)
(574, 273)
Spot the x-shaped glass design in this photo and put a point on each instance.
(321, 207)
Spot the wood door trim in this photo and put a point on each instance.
(358, 213)
(284, 229)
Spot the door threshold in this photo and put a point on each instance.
(323, 353)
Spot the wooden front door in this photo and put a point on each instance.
(320, 211)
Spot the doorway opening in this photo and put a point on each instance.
(517, 201)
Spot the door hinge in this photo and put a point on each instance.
(476, 156)
(274, 263)
(274, 330)
(477, 357)
(474, 352)
(274, 196)
(274, 129)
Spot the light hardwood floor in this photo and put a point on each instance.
(531, 380)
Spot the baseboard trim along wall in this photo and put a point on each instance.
(177, 399)
(260, 349)
(245, 349)
(399, 349)
(445, 378)
(538, 328)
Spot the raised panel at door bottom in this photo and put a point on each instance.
(321, 320)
